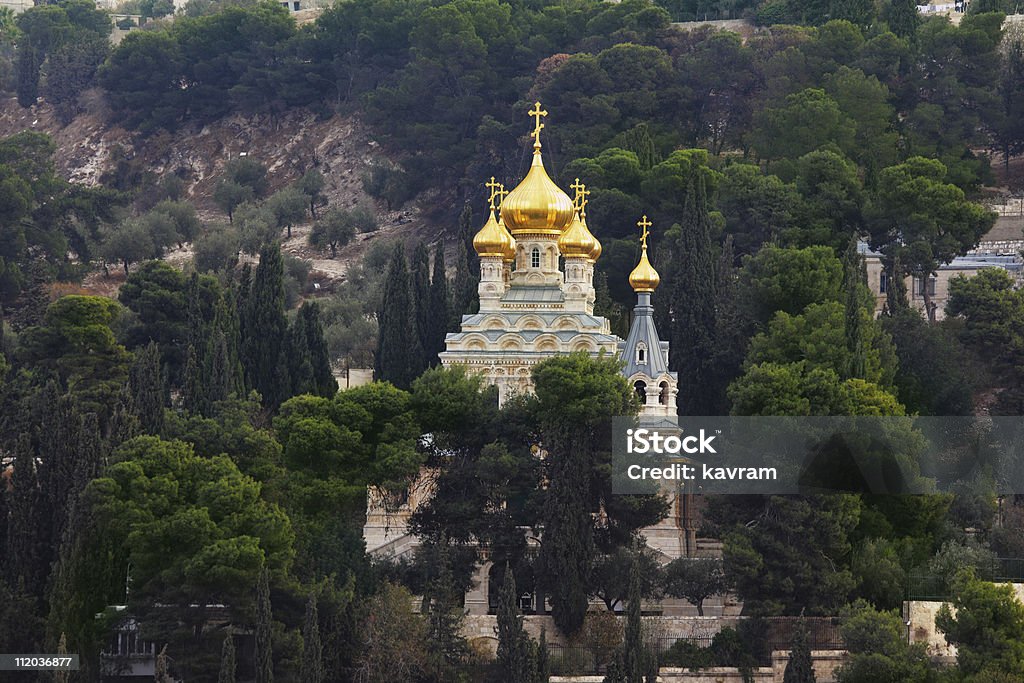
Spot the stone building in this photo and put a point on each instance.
(536, 292)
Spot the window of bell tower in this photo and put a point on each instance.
(535, 258)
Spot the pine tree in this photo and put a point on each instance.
(420, 268)
(146, 383)
(312, 653)
(799, 668)
(693, 343)
(227, 661)
(854, 285)
(515, 662)
(264, 654)
(439, 308)
(266, 330)
(398, 352)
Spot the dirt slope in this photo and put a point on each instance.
(288, 145)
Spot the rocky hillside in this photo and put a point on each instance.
(288, 145)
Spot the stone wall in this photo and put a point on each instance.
(919, 615)
(826, 663)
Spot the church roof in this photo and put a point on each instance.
(643, 333)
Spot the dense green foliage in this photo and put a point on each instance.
(186, 446)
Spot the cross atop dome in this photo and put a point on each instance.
(537, 113)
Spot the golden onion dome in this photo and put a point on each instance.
(644, 277)
(595, 252)
(537, 206)
(510, 252)
(493, 240)
(576, 240)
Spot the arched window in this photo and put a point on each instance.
(663, 394)
(641, 354)
(641, 390)
(535, 258)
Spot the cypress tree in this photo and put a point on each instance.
(300, 364)
(896, 287)
(161, 673)
(799, 668)
(312, 653)
(193, 397)
(264, 655)
(543, 663)
(514, 661)
(633, 654)
(28, 524)
(903, 19)
(146, 384)
(567, 552)
(439, 308)
(227, 661)
(420, 267)
(223, 369)
(398, 351)
(693, 343)
(731, 328)
(323, 382)
(467, 269)
(466, 234)
(853, 284)
(266, 330)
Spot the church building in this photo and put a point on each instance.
(536, 292)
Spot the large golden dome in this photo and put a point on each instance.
(493, 240)
(577, 240)
(644, 278)
(537, 206)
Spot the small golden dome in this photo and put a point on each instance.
(537, 206)
(576, 240)
(493, 240)
(644, 277)
(595, 252)
(510, 252)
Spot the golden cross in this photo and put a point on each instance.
(537, 113)
(501, 193)
(580, 200)
(643, 223)
(493, 187)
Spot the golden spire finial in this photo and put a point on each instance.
(579, 202)
(537, 113)
(644, 279)
(643, 224)
(493, 187)
(500, 194)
